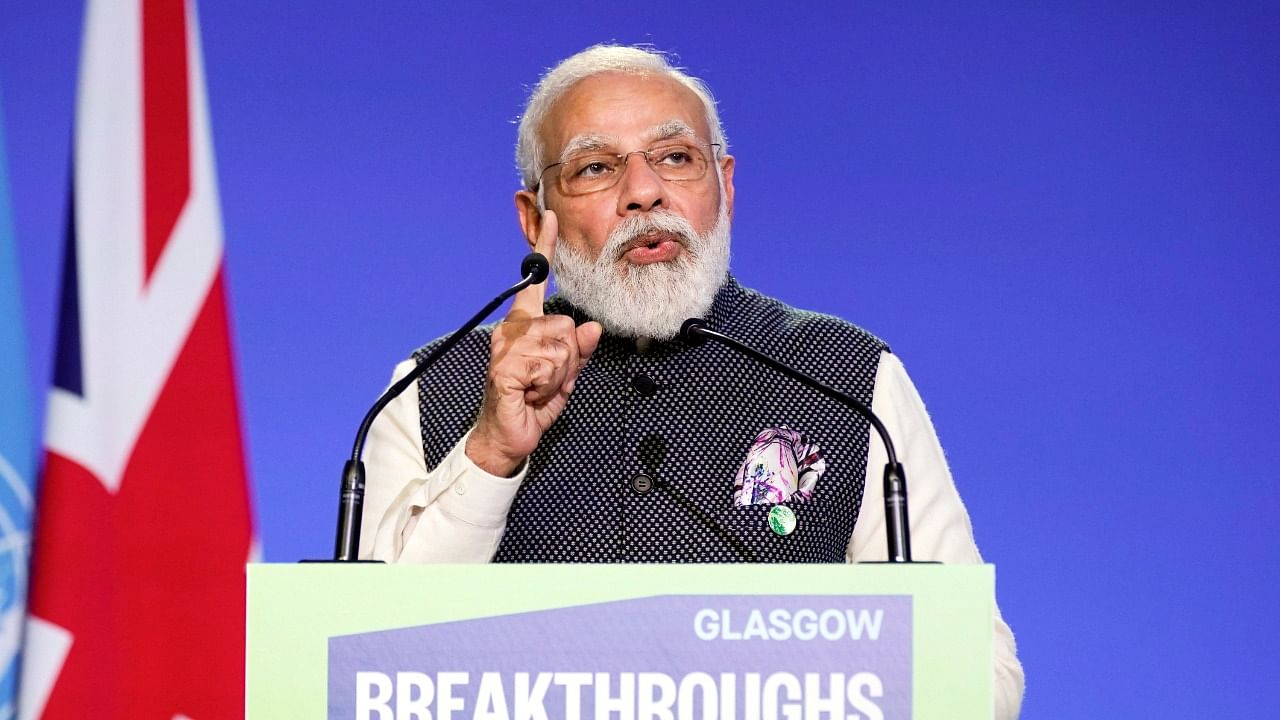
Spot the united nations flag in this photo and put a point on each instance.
(16, 452)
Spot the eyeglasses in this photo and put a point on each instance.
(595, 171)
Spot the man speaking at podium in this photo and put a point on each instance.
(582, 428)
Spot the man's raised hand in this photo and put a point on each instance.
(535, 361)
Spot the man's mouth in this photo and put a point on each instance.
(653, 248)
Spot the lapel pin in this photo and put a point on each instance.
(782, 520)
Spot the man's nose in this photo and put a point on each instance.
(640, 188)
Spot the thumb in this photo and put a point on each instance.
(588, 338)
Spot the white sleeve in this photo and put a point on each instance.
(454, 513)
(939, 524)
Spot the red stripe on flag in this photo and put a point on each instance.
(165, 122)
(150, 581)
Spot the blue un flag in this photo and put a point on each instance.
(17, 452)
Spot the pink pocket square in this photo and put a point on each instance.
(781, 465)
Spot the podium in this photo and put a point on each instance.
(628, 642)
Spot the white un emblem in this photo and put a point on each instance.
(15, 544)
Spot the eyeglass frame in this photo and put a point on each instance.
(625, 159)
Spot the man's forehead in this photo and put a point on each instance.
(591, 141)
(608, 109)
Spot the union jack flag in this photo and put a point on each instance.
(143, 522)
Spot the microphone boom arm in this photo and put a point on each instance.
(534, 268)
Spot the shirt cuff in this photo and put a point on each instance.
(467, 493)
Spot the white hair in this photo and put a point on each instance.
(531, 155)
(647, 301)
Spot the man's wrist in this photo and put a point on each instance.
(488, 458)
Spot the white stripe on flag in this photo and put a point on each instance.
(119, 312)
(46, 650)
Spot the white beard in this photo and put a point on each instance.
(647, 301)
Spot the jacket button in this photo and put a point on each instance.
(641, 484)
(644, 385)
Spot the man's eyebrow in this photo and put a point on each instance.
(587, 142)
(672, 129)
(593, 142)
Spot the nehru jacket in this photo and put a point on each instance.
(647, 460)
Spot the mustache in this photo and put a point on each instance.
(635, 228)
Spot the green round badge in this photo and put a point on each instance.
(782, 520)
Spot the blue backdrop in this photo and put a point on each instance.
(1064, 219)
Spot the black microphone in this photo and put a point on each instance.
(895, 478)
(534, 268)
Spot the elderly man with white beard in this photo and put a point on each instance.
(583, 429)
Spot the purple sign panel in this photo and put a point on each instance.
(756, 657)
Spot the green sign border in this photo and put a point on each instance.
(293, 610)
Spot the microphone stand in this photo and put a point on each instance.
(895, 479)
(534, 268)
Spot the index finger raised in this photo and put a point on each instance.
(528, 302)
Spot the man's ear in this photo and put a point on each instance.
(529, 215)
(726, 176)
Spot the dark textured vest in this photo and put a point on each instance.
(685, 417)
